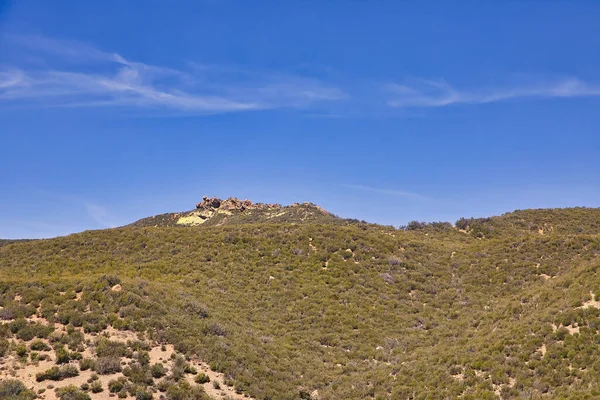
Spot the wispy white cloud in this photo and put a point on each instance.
(100, 215)
(33, 229)
(80, 206)
(272, 87)
(438, 93)
(11, 78)
(392, 192)
(76, 74)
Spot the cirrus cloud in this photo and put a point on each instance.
(76, 74)
(438, 93)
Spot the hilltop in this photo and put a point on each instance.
(213, 211)
(305, 305)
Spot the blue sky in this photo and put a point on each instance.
(385, 111)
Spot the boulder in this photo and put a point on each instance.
(209, 202)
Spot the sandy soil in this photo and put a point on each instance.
(25, 371)
(591, 303)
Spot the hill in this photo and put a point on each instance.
(314, 307)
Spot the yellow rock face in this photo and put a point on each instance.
(195, 218)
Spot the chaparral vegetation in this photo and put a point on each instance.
(295, 303)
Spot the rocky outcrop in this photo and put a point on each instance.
(233, 204)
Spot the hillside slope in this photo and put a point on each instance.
(331, 311)
(522, 222)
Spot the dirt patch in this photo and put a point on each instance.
(572, 329)
(25, 370)
(275, 215)
(592, 302)
(542, 349)
(116, 288)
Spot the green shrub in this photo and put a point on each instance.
(21, 350)
(57, 373)
(62, 355)
(13, 389)
(68, 371)
(138, 374)
(96, 387)
(190, 369)
(99, 326)
(201, 378)
(304, 395)
(17, 325)
(216, 329)
(39, 345)
(31, 331)
(139, 345)
(71, 392)
(108, 365)
(26, 334)
(4, 346)
(116, 385)
(110, 280)
(158, 370)
(52, 374)
(142, 357)
(109, 348)
(164, 384)
(184, 391)
(87, 363)
(143, 395)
